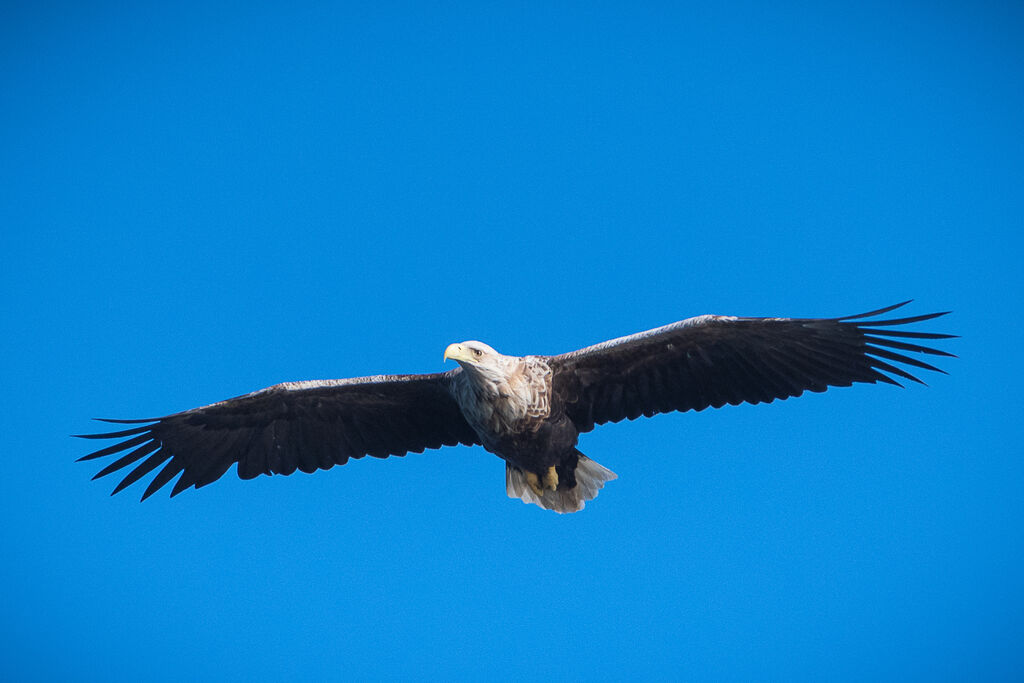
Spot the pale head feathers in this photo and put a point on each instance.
(481, 360)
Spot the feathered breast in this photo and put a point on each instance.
(496, 403)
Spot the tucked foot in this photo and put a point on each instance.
(551, 479)
(534, 483)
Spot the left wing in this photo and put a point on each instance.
(296, 425)
(712, 360)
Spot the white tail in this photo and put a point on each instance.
(590, 478)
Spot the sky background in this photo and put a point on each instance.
(198, 200)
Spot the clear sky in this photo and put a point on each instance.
(202, 199)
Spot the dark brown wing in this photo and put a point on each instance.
(297, 425)
(713, 360)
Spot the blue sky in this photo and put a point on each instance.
(200, 200)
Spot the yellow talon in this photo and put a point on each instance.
(551, 479)
(534, 481)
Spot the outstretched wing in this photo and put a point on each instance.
(297, 425)
(712, 360)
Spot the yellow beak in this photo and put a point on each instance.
(456, 352)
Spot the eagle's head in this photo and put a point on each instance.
(472, 354)
(481, 361)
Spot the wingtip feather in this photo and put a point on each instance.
(880, 311)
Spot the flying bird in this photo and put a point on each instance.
(527, 410)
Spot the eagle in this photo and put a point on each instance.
(527, 410)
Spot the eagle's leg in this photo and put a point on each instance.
(551, 479)
(540, 483)
(534, 483)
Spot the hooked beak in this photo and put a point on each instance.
(456, 352)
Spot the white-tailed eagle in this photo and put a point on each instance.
(528, 410)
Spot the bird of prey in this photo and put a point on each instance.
(527, 410)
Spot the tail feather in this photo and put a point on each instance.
(590, 478)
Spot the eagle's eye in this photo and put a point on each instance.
(478, 352)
